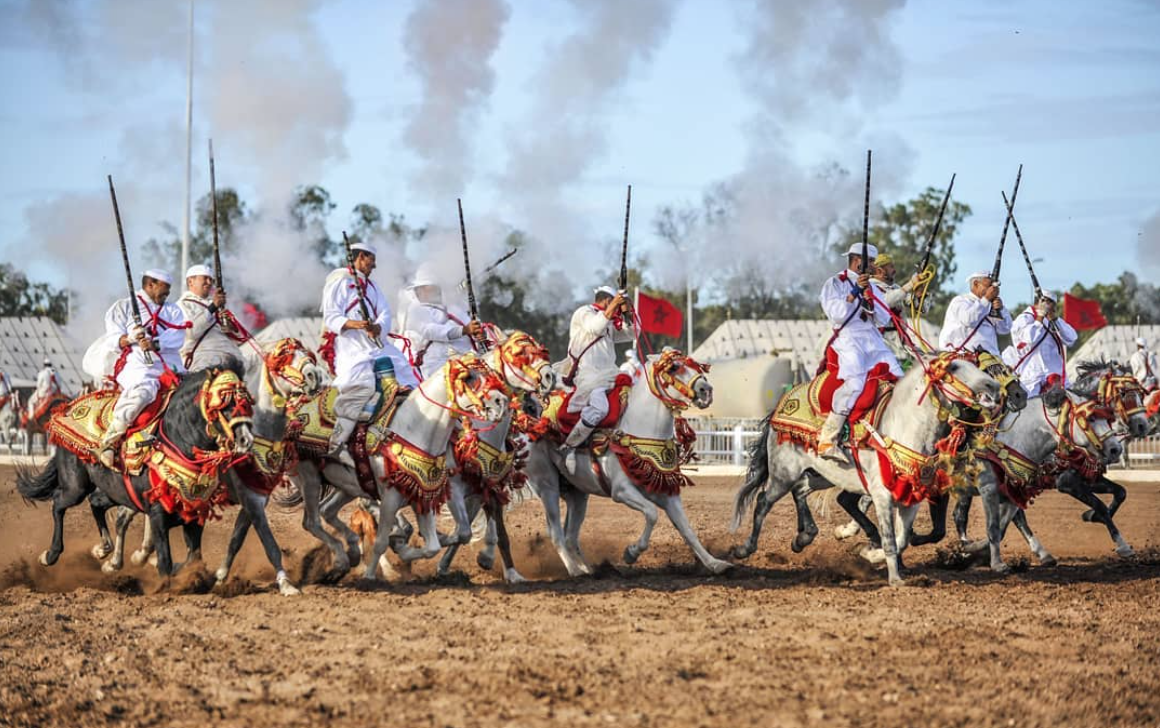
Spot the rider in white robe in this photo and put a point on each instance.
(355, 350)
(209, 342)
(1143, 363)
(975, 319)
(1040, 339)
(595, 331)
(858, 343)
(161, 333)
(435, 330)
(47, 387)
(896, 298)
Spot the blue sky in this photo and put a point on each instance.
(1071, 90)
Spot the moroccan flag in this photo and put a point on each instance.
(658, 316)
(1083, 313)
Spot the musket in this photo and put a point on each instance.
(217, 257)
(937, 225)
(866, 304)
(362, 295)
(128, 272)
(622, 283)
(493, 266)
(472, 307)
(1006, 222)
(1023, 248)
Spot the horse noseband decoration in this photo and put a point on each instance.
(225, 403)
(280, 364)
(662, 378)
(524, 357)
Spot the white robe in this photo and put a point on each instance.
(139, 381)
(1143, 364)
(859, 344)
(206, 344)
(1042, 360)
(47, 385)
(354, 351)
(963, 315)
(596, 369)
(434, 330)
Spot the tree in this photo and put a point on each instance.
(21, 297)
(903, 229)
(231, 214)
(308, 214)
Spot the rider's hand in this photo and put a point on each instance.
(354, 324)
(615, 306)
(992, 293)
(472, 328)
(374, 329)
(997, 304)
(864, 281)
(219, 299)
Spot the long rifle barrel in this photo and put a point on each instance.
(937, 226)
(622, 283)
(135, 307)
(217, 257)
(1007, 221)
(472, 307)
(866, 220)
(1023, 249)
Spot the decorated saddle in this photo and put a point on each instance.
(559, 421)
(799, 415)
(80, 425)
(312, 420)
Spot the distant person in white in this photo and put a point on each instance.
(1143, 364)
(975, 319)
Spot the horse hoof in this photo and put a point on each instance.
(110, 568)
(1125, 551)
(100, 551)
(873, 555)
(717, 566)
(286, 589)
(1048, 560)
(153, 559)
(897, 581)
(630, 555)
(802, 540)
(1001, 568)
(512, 576)
(1089, 515)
(46, 559)
(485, 561)
(847, 531)
(139, 557)
(742, 552)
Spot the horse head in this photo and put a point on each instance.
(678, 380)
(1015, 395)
(1111, 385)
(228, 409)
(475, 389)
(524, 364)
(1082, 423)
(956, 379)
(291, 370)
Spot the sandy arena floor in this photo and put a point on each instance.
(785, 639)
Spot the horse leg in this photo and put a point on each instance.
(938, 522)
(470, 511)
(577, 501)
(1018, 516)
(762, 504)
(1075, 487)
(191, 532)
(676, 513)
(852, 503)
(237, 538)
(390, 501)
(147, 545)
(329, 510)
(884, 508)
(626, 493)
(807, 528)
(486, 557)
(549, 491)
(1118, 492)
(309, 482)
(161, 540)
(99, 508)
(457, 504)
(510, 574)
(123, 519)
(962, 516)
(989, 493)
(254, 505)
(69, 492)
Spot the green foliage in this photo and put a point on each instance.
(21, 297)
(1122, 302)
(308, 214)
(231, 212)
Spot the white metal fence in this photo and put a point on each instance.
(726, 441)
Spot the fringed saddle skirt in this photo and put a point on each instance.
(79, 426)
(799, 415)
(560, 421)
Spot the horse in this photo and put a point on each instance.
(485, 480)
(285, 372)
(204, 428)
(915, 417)
(414, 470)
(652, 439)
(9, 417)
(33, 423)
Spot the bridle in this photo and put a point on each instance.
(518, 355)
(661, 377)
(457, 378)
(1072, 415)
(225, 403)
(1120, 392)
(953, 394)
(280, 365)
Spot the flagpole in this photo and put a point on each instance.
(188, 149)
(689, 310)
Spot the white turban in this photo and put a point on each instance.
(159, 275)
(365, 247)
(856, 249)
(978, 274)
(199, 270)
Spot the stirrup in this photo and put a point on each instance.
(108, 457)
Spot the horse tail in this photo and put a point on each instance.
(755, 477)
(38, 486)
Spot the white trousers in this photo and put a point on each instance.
(593, 411)
(846, 395)
(133, 399)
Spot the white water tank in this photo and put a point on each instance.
(747, 387)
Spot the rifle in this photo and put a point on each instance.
(1023, 248)
(493, 266)
(937, 225)
(1006, 222)
(622, 283)
(217, 258)
(866, 304)
(362, 295)
(128, 273)
(472, 308)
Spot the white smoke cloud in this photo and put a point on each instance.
(1148, 247)
(449, 44)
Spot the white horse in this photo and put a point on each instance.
(910, 425)
(670, 383)
(525, 366)
(284, 372)
(418, 435)
(9, 417)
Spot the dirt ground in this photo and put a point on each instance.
(785, 639)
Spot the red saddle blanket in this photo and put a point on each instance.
(562, 421)
(829, 383)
